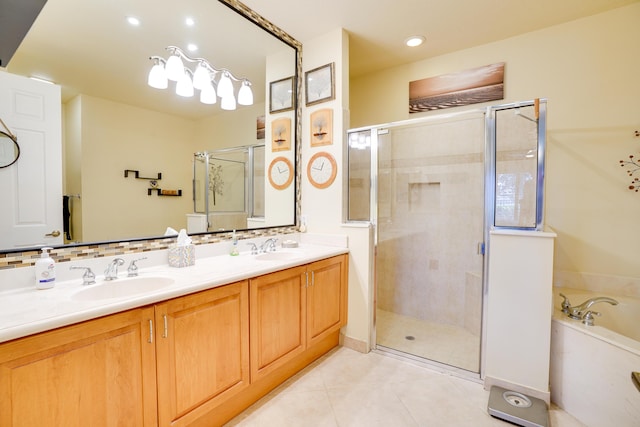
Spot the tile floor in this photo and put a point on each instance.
(346, 388)
(455, 345)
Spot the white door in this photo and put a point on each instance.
(31, 188)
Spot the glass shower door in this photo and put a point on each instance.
(429, 234)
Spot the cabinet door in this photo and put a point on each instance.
(326, 297)
(96, 373)
(278, 319)
(202, 352)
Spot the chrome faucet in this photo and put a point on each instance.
(132, 270)
(254, 248)
(88, 278)
(111, 273)
(577, 312)
(269, 245)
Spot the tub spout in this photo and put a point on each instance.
(576, 312)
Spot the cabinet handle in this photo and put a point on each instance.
(165, 333)
(150, 331)
(306, 279)
(313, 278)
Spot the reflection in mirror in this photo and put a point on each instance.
(9, 150)
(113, 121)
(229, 189)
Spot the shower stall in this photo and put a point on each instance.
(432, 188)
(228, 186)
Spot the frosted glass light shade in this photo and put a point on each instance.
(158, 77)
(208, 94)
(225, 87)
(201, 77)
(245, 95)
(175, 68)
(228, 103)
(184, 87)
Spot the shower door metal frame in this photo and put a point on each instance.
(383, 129)
(488, 211)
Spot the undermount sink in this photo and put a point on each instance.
(125, 287)
(278, 256)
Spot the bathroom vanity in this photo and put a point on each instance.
(212, 340)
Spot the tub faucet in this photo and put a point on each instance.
(111, 273)
(577, 311)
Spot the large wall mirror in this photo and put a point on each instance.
(113, 121)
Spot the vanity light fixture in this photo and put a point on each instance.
(414, 41)
(203, 79)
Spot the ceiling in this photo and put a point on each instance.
(87, 47)
(378, 28)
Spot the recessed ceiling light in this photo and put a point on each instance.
(190, 22)
(192, 47)
(414, 41)
(133, 20)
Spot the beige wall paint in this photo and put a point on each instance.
(115, 137)
(588, 71)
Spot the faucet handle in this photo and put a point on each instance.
(132, 270)
(88, 278)
(254, 248)
(566, 304)
(587, 319)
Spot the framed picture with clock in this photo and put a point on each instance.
(322, 169)
(280, 173)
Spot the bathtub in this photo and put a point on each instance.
(591, 366)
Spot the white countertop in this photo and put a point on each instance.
(25, 310)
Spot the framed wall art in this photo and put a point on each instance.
(319, 84)
(281, 95)
(281, 134)
(322, 127)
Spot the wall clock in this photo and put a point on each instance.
(322, 169)
(280, 173)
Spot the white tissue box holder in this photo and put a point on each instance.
(182, 256)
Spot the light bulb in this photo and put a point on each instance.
(225, 87)
(184, 87)
(207, 94)
(245, 95)
(201, 77)
(158, 76)
(228, 103)
(175, 68)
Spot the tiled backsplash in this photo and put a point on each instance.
(78, 252)
(602, 283)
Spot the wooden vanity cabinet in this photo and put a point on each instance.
(202, 354)
(98, 373)
(278, 319)
(196, 360)
(326, 297)
(292, 310)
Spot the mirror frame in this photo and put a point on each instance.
(162, 242)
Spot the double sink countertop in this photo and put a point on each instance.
(25, 310)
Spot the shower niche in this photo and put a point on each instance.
(228, 187)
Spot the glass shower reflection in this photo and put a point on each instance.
(228, 186)
(430, 222)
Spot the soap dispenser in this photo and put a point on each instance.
(234, 245)
(45, 270)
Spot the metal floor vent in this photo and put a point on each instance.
(517, 408)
